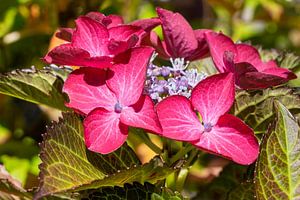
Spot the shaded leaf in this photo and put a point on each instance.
(11, 188)
(244, 191)
(68, 166)
(277, 169)
(131, 191)
(37, 86)
(256, 107)
(230, 177)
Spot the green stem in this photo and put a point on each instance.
(182, 175)
(145, 138)
(181, 153)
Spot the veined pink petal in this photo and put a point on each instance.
(178, 119)
(87, 90)
(91, 36)
(231, 138)
(128, 75)
(65, 34)
(147, 24)
(213, 96)
(141, 115)
(66, 54)
(221, 49)
(178, 34)
(103, 131)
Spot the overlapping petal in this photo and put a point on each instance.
(127, 77)
(214, 96)
(178, 119)
(108, 21)
(87, 90)
(147, 24)
(230, 138)
(141, 115)
(222, 50)
(103, 131)
(244, 61)
(91, 36)
(66, 54)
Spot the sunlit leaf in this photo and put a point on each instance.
(277, 169)
(37, 86)
(68, 166)
(256, 107)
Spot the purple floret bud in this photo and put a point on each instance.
(165, 71)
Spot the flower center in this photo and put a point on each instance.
(207, 127)
(118, 108)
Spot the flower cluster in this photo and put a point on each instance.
(171, 80)
(118, 84)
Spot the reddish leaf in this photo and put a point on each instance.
(231, 138)
(141, 115)
(178, 119)
(214, 96)
(202, 50)
(87, 90)
(127, 76)
(178, 34)
(259, 80)
(103, 131)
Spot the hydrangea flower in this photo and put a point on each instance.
(112, 100)
(216, 131)
(245, 62)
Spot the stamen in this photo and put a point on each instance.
(179, 64)
(118, 108)
(207, 127)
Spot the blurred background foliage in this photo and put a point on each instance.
(27, 27)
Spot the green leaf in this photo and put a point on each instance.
(36, 86)
(245, 191)
(204, 65)
(277, 169)
(256, 107)
(10, 188)
(68, 166)
(136, 190)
